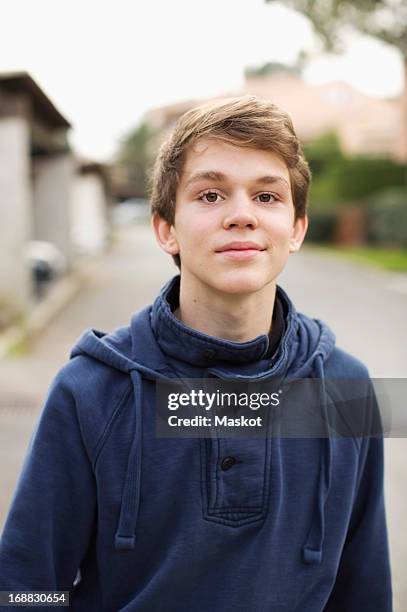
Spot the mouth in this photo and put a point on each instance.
(240, 246)
(240, 251)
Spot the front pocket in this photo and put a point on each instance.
(235, 479)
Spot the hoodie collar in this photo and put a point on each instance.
(199, 349)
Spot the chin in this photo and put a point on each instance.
(241, 282)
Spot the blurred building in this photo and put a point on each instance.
(365, 125)
(122, 186)
(165, 117)
(90, 208)
(36, 169)
(51, 206)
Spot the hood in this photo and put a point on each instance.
(156, 341)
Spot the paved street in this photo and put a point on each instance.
(365, 308)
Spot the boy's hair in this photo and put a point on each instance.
(245, 121)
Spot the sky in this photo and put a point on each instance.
(105, 63)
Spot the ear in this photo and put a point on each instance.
(298, 234)
(165, 234)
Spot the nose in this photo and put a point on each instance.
(240, 213)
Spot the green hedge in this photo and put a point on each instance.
(387, 218)
(342, 180)
(361, 177)
(322, 226)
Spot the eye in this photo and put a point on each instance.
(266, 197)
(209, 197)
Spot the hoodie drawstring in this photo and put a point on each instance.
(125, 536)
(312, 549)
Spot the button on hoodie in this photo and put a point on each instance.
(209, 354)
(227, 463)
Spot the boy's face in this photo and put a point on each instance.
(229, 194)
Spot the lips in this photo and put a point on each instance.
(240, 246)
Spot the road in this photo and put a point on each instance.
(365, 308)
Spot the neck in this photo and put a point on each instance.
(234, 317)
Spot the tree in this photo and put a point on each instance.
(382, 19)
(274, 67)
(136, 155)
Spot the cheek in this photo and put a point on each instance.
(280, 228)
(193, 229)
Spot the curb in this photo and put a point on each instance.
(53, 303)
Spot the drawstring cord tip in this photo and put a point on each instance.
(124, 542)
(311, 556)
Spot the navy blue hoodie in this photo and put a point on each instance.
(128, 521)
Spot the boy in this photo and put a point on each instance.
(197, 524)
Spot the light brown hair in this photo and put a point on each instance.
(245, 121)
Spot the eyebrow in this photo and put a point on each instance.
(214, 175)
